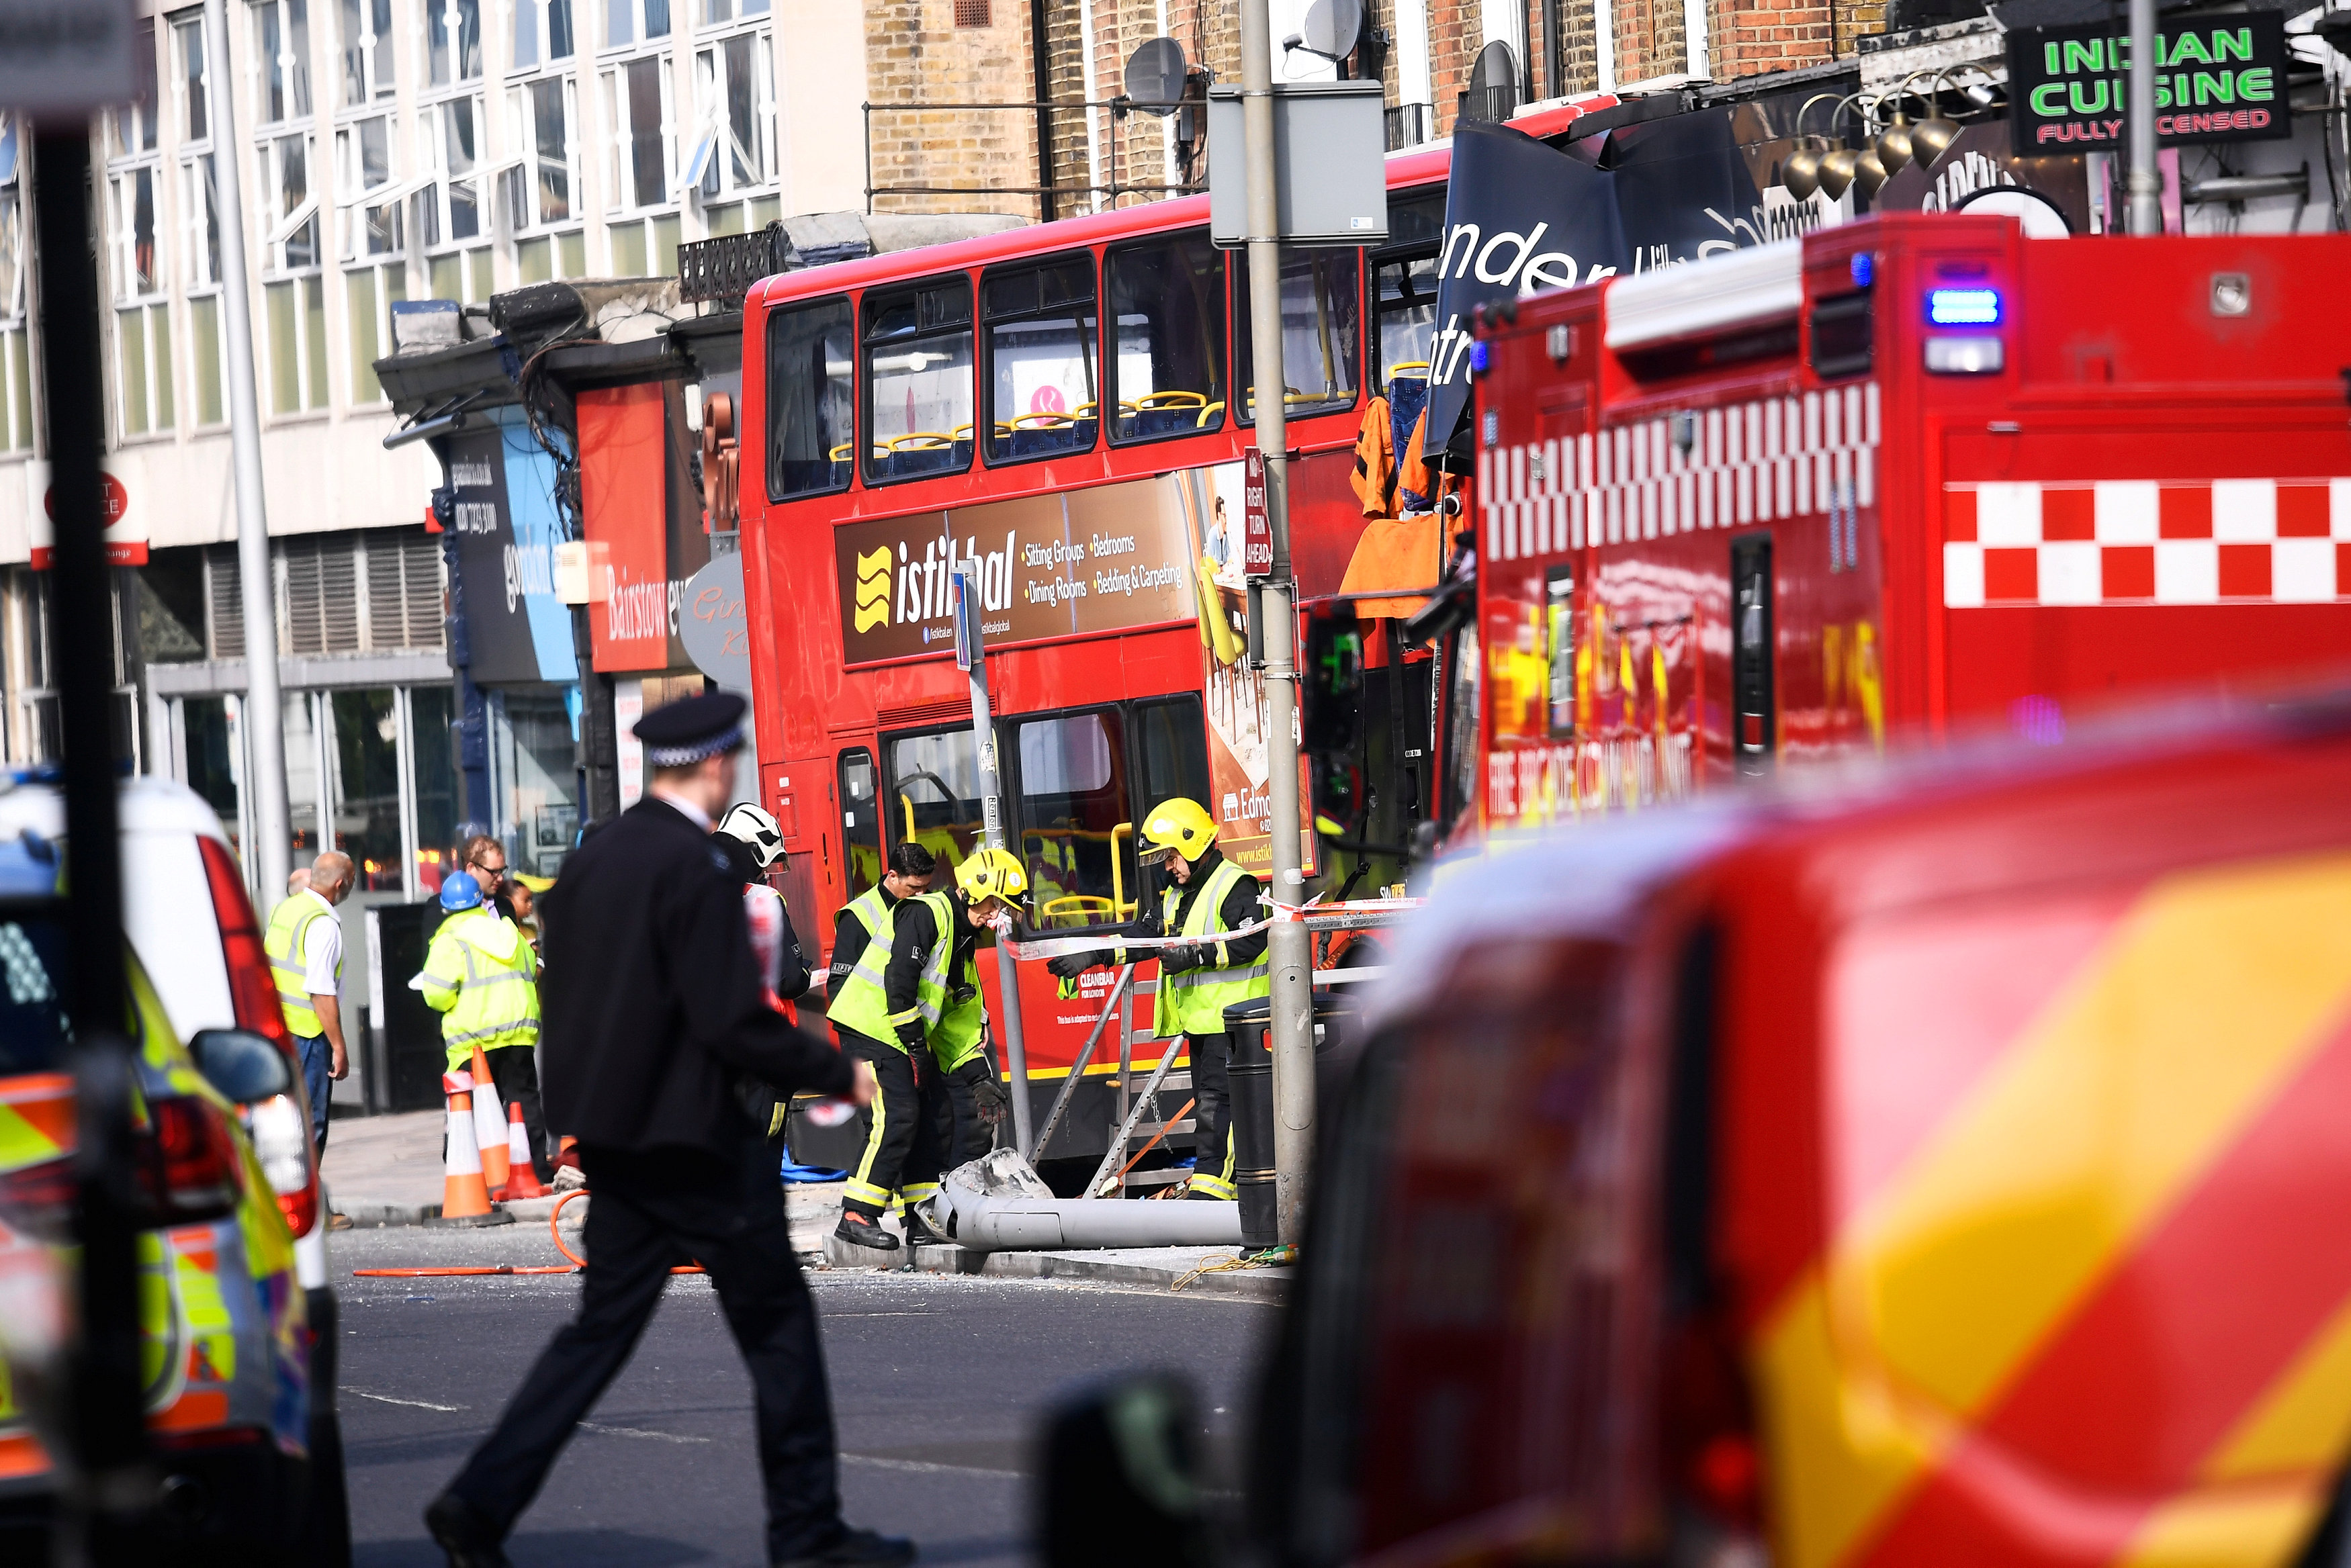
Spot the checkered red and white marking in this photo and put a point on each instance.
(2144, 541)
(1750, 463)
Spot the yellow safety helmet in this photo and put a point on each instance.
(988, 874)
(1180, 825)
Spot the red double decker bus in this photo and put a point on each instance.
(1059, 405)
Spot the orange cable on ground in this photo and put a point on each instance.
(553, 1216)
(1147, 1148)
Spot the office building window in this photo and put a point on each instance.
(283, 40)
(16, 366)
(717, 12)
(453, 41)
(455, 226)
(542, 33)
(630, 21)
(540, 192)
(286, 203)
(367, 53)
(135, 254)
(734, 148)
(637, 107)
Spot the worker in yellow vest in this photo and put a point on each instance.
(961, 1101)
(305, 944)
(1199, 977)
(481, 975)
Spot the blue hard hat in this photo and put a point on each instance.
(460, 891)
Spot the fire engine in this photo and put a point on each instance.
(1911, 475)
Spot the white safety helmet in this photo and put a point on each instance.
(757, 828)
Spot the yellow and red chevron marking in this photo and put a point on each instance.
(37, 1118)
(2093, 1304)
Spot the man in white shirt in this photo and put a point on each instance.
(305, 943)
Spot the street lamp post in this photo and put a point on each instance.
(1286, 949)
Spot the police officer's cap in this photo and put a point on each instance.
(683, 733)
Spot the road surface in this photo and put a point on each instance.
(938, 1385)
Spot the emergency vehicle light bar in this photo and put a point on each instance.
(1743, 288)
(1963, 306)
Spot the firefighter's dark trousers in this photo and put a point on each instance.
(891, 1123)
(1212, 1113)
(951, 1133)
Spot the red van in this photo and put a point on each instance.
(1954, 1168)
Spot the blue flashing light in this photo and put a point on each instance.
(1963, 306)
(1864, 267)
(1481, 354)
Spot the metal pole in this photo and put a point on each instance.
(2145, 181)
(991, 812)
(1288, 948)
(265, 713)
(106, 1484)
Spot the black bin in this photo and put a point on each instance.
(412, 1031)
(1250, 1024)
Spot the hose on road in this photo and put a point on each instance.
(554, 1217)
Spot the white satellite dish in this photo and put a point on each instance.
(2043, 218)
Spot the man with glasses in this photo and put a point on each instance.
(485, 858)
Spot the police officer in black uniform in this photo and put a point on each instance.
(655, 1016)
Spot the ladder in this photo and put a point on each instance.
(1139, 1108)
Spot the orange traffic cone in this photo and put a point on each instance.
(489, 1126)
(465, 1196)
(522, 1177)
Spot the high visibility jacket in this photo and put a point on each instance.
(481, 976)
(1374, 478)
(863, 1001)
(289, 928)
(1193, 1003)
(964, 1025)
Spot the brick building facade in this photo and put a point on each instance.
(925, 52)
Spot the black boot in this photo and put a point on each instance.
(858, 1231)
(458, 1527)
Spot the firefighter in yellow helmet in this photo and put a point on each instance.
(963, 1101)
(912, 1005)
(1207, 972)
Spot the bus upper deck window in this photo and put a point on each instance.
(1044, 396)
(810, 419)
(918, 397)
(1321, 307)
(1407, 323)
(1168, 312)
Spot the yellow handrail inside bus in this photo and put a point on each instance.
(1120, 909)
(1209, 411)
(908, 801)
(963, 431)
(1401, 365)
(1077, 904)
(1048, 419)
(932, 440)
(1173, 398)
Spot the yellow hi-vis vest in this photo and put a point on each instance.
(1193, 1003)
(481, 976)
(289, 928)
(864, 1003)
(964, 1025)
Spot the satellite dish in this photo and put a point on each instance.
(2043, 219)
(1154, 77)
(1331, 27)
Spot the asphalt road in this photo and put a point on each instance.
(938, 1386)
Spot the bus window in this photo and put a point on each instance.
(934, 795)
(1042, 394)
(1077, 822)
(861, 824)
(1322, 304)
(918, 380)
(1461, 769)
(1167, 310)
(810, 425)
(1171, 751)
(1407, 322)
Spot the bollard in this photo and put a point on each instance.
(1251, 1080)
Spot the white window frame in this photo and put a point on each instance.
(15, 358)
(143, 309)
(301, 88)
(635, 10)
(535, 15)
(737, 11)
(622, 201)
(197, 199)
(517, 172)
(709, 167)
(448, 17)
(376, 90)
(361, 203)
(435, 179)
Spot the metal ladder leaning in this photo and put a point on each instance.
(1130, 1130)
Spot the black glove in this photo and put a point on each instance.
(989, 1096)
(1183, 956)
(909, 1034)
(1069, 966)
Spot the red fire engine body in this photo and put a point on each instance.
(1914, 473)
